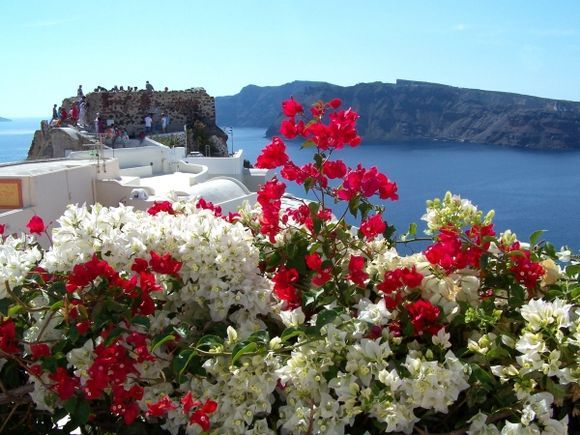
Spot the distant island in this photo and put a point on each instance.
(4, 119)
(419, 111)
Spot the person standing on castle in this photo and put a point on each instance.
(98, 123)
(82, 113)
(80, 93)
(149, 86)
(54, 112)
(164, 122)
(148, 123)
(75, 113)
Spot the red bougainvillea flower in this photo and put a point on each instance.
(39, 350)
(334, 169)
(291, 107)
(367, 183)
(8, 340)
(2, 229)
(83, 326)
(188, 402)
(322, 276)
(313, 261)
(200, 416)
(65, 385)
(334, 103)
(273, 155)
(85, 273)
(160, 206)
(36, 225)
(356, 270)
(165, 264)
(208, 205)
(284, 289)
(290, 128)
(423, 316)
(269, 198)
(373, 226)
(524, 270)
(161, 407)
(446, 251)
(395, 279)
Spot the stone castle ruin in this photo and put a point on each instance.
(193, 108)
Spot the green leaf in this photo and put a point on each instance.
(243, 350)
(210, 341)
(71, 404)
(481, 375)
(4, 305)
(161, 341)
(259, 337)
(82, 411)
(141, 320)
(412, 229)
(15, 309)
(113, 334)
(353, 205)
(573, 270)
(535, 235)
(291, 332)
(326, 316)
(185, 359)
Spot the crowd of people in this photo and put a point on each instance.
(104, 126)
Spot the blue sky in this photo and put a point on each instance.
(49, 48)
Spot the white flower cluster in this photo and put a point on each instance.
(453, 211)
(219, 261)
(18, 255)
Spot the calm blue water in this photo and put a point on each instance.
(15, 138)
(529, 190)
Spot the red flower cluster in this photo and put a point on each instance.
(269, 198)
(273, 155)
(199, 416)
(356, 271)
(161, 206)
(373, 226)
(322, 275)
(284, 288)
(39, 350)
(85, 273)
(36, 225)
(525, 271)
(8, 339)
(367, 183)
(208, 205)
(396, 279)
(65, 384)
(291, 107)
(451, 254)
(334, 169)
(423, 316)
(2, 229)
(165, 264)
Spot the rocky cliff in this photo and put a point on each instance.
(416, 111)
(194, 108)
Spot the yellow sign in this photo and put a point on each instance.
(10, 194)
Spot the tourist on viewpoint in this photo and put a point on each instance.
(54, 112)
(148, 123)
(164, 122)
(149, 86)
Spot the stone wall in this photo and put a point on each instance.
(130, 108)
(194, 108)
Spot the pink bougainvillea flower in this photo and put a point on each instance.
(36, 225)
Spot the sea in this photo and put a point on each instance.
(528, 189)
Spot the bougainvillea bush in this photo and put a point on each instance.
(285, 319)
